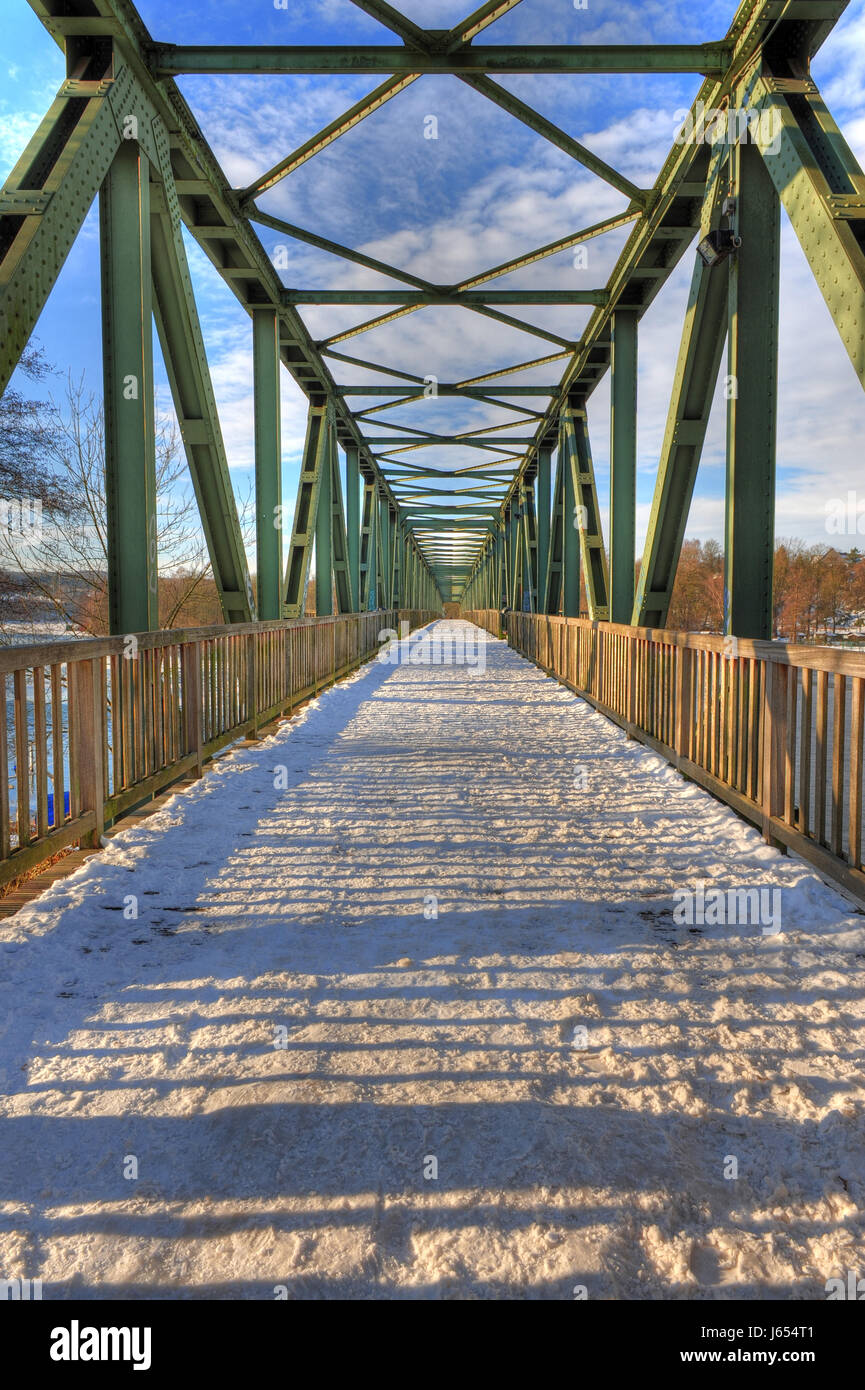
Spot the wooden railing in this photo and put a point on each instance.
(91, 728)
(771, 728)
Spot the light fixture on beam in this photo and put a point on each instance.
(718, 245)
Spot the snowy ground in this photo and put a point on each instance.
(284, 1040)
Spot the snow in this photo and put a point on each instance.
(303, 1169)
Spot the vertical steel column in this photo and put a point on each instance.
(384, 546)
(367, 543)
(623, 464)
(127, 358)
(382, 596)
(697, 366)
(352, 521)
(268, 462)
(324, 530)
(570, 581)
(752, 399)
(396, 561)
(588, 519)
(530, 546)
(503, 564)
(545, 458)
(514, 597)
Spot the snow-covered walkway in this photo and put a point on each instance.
(326, 1087)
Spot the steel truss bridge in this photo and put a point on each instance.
(500, 530)
(519, 528)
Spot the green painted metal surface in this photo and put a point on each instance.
(623, 464)
(352, 523)
(171, 60)
(752, 389)
(127, 352)
(703, 335)
(268, 463)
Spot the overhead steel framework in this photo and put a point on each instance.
(521, 524)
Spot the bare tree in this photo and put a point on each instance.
(62, 569)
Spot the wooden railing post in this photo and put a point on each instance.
(252, 710)
(89, 714)
(774, 744)
(191, 674)
(684, 709)
(289, 667)
(632, 680)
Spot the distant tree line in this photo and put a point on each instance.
(818, 590)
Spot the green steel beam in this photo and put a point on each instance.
(384, 549)
(185, 359)
(373, 366)
(476, 307)
(418, 494)
(517, 367)
(380, 321)
(455, 299)
(338, 537)
(752, 339)
(378, 441)
(268, 463)
(494, 92)
(700, 349)
(449, 389)
(398, 480)
(415, 433)
(822, 188)
(361, 109)
(380, 557)
(571, 549)
(553, 579)
(173, 60)
(393, 554)
(324, 524)
(583, 518)
(530, 547)
(45, 199)
(335, 248)
(368, 549)
(512, 322)
(513, 555)
(127, 355)
(393, 19)
(352, 521)
(623, 464)
(545, 454)
(664, 231)
(431, 523)
(552, 248)
(314, 466)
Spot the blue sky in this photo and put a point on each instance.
(485, 190)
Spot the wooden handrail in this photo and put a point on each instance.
(92, 728)
(775, 729)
